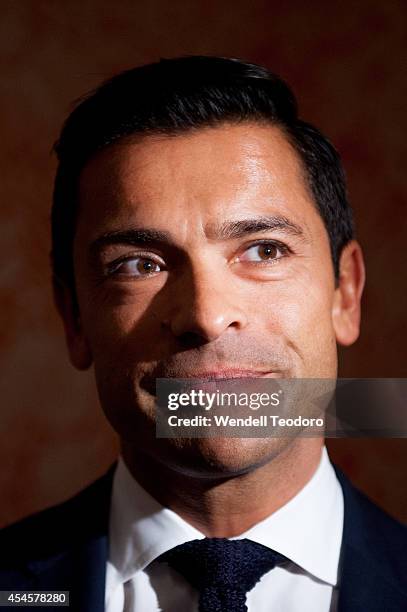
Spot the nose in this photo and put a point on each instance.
(205, 307)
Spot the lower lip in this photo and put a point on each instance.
(222, 376)
(225, 381)
(209, 381)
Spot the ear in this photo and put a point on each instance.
(347, 297)
(78, 347)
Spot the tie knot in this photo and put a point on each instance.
(221, 563)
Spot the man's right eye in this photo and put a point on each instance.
(134, 266)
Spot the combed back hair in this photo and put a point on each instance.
(174, 96)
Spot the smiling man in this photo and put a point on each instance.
(201, 231)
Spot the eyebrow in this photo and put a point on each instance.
(237, 229)
(229, 230)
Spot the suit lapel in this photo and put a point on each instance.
(367, 579)
(81, 572)
(75, 537)
(363, 587)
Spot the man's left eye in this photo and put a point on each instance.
(136, 266)
(263, 252)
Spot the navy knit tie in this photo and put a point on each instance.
(222, 570)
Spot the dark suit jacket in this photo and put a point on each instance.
(65, 548)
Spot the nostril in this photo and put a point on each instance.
(189, 340)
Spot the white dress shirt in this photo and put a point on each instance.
(307, 530)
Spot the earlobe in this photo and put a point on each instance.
(78, 346)
(348, 294)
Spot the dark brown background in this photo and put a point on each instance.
(347, 64)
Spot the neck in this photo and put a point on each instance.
(228, 506)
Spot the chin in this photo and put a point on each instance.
(222, 457)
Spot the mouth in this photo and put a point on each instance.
(220, 375)
(224, 374)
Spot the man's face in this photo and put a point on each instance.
(195, 255)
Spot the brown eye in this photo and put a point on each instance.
(146, 266)
(262, 252)
(136, 267)
(267, 251)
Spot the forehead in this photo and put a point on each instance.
(193, 180)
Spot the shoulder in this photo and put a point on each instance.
(59, 527)
(372, 537)
(367, 514)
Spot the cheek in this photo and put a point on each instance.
(301, 313)
(120, 331)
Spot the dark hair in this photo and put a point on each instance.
(185, 94)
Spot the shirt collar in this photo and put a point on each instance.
(140, 528)
(307, 530)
